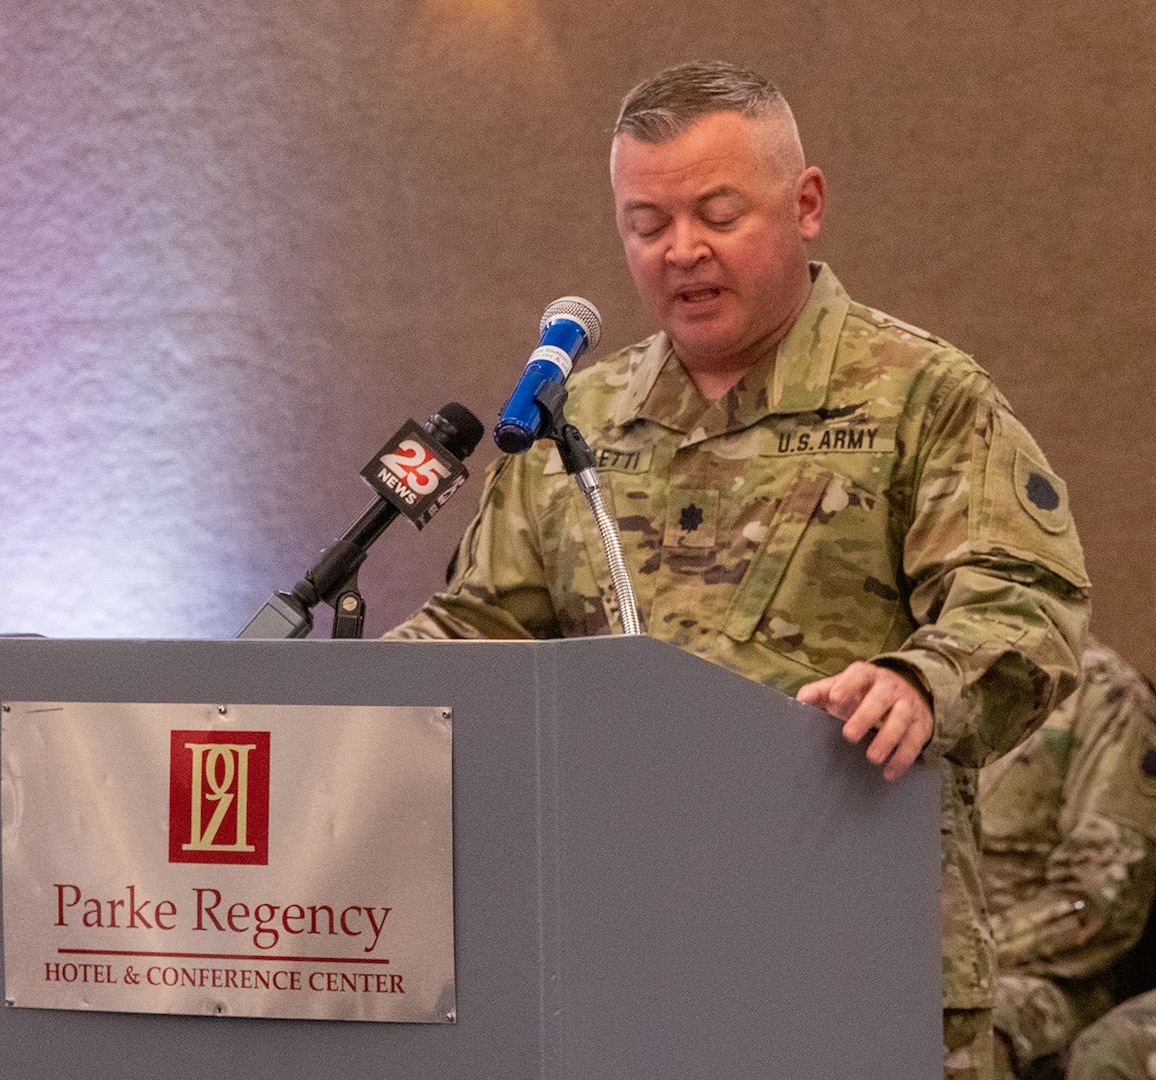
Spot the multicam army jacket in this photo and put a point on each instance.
(863, 493)
(1069, 829)
(1120, 1045)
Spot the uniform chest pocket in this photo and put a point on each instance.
(770, 563)
(821, 588)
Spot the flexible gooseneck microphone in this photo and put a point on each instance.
(569, 326)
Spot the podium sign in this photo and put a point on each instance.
(241, 860)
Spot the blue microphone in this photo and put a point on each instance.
(569, 326)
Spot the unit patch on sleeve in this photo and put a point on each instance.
(1041, 493)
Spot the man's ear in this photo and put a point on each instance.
(812, 199)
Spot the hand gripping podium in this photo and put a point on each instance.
(661, 871)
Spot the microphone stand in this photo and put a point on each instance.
(579, 463)
(455, 432)
(333, 579)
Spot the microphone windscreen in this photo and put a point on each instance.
(458, 429)
(578, 308)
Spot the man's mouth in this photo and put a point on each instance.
(696, 294)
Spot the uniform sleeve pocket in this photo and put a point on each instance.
(1024, 507)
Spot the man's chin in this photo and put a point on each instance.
(703, 342)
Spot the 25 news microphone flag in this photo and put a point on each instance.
(420, 468)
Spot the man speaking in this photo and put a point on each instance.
(809, 492)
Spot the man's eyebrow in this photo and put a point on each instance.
(719, 192)
(639, 204)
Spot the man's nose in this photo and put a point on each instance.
(687, 244)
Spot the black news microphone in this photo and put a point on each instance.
(414, 474)
(569, 326)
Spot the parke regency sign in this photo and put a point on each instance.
(248, 860)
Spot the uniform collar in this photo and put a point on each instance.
(793, 380)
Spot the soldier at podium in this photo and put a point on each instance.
(810, 492)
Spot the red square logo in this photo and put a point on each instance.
(219, 797)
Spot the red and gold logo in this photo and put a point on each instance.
(219, 797)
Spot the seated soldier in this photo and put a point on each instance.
(1118, 1046)
(1069, 861)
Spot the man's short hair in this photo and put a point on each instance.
(665, 105)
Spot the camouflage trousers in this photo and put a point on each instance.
(967, 1044)
(1120, 1045)
(1038, 1019)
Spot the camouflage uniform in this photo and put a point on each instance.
(1120, 1046)
(864, 492)
(1069, 855)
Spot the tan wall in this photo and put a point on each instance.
(241, 242)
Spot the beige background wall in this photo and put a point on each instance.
(241, 242)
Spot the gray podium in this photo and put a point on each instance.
(661, 872)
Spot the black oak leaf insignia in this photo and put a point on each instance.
(690, 518)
